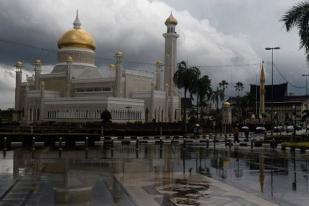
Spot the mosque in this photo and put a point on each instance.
(76, 91)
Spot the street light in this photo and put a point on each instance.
(294, 111)
(272, 84)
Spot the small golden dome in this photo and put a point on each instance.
(119, 54)
(159, 63)
(37, 62)
(226, 104)
(69, 59)
(19, 64)
(171, 20)
(76, 37)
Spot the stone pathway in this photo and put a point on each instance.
(167, 189)
(19, 192)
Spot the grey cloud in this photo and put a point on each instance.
(211, 32)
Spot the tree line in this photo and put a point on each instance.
(200, 92)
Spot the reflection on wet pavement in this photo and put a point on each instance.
(125, 175)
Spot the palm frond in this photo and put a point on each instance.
(291, 17)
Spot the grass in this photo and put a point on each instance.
(302, 145)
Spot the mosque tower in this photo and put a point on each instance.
(19, 65)
(262, 91)
(170, 59)
(118, 91)
(37, 73)
(170, 54)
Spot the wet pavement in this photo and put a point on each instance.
(108, 176)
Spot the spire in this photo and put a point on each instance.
(262, 75)
(76, 22)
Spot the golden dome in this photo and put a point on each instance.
(171, 20)
(76, 37)
(19, 64)
(226, 104)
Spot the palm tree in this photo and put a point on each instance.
(203, 92)
(298, 16)
(185, 78)
(194, 73)
(239, 87)
(223, 85)
(217, 96)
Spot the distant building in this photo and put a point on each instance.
(76, 91)
(284, 106)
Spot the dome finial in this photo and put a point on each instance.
(171, 20)
(76, 22)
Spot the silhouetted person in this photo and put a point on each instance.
(236, 134)
(190, 170)
(247, 135)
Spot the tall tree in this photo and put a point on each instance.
(203, 93)
(298, 16)
(222, 86)
(239, 87)
(185, 78)
(195, 76)
(217, 97)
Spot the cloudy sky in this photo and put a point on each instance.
(226, 38)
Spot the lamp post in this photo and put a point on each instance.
(294, 111)
(272, 84)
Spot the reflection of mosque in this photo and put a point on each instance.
(73, 180)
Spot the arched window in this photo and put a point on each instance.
(162, 115)
(175, 118)
(146, 114)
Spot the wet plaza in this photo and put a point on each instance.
(155, 175)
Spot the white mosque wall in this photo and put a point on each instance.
(135, 82)
(89, 109)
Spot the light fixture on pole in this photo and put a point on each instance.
(272, 84)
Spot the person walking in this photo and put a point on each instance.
(236, 134)
(247, 135)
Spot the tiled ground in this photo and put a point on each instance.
(172, 190)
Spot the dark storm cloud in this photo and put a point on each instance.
(259, 21)
(210, 32)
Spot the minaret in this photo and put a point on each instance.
(37, 73)
(42, 90)
(170, 59)
(19, 65)
(118, 80)
(167, 108)
(158, 75)
(170, 54)
(262, 91)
